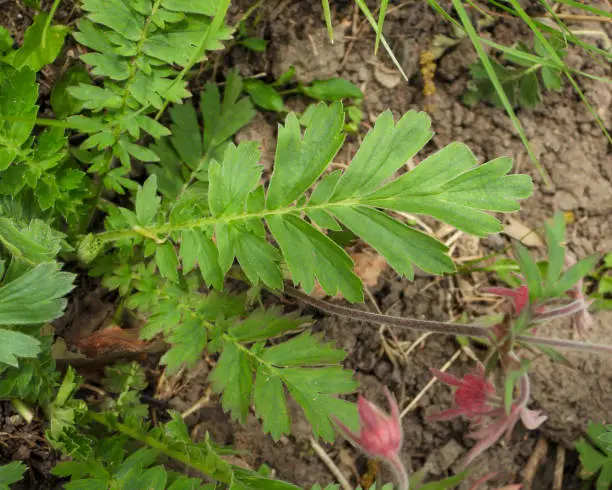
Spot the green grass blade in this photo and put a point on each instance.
(553, 54)
(551, 30)
(213, 28)
(328, 22)
(381, 21)
(366, 11)
(475, 39)
(586, 8)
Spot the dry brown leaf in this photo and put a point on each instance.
(368, 267)
(519, 231)
(111, 339)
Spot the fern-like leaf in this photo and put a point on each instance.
(449, 185)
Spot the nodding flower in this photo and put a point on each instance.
(380, 435)
(475, 400)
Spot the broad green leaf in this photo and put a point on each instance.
(595, 431)
(264, 95)
(604, 481)
(300, 160)
(234, 179)
(197, 247)
(6, 41)
(95, 98)
(167, 263)
(222, 119)
(188, 342)
(303, 350)
(41, 44)
(107, 65)
(151, 126)
(270, 403)
(147, 201)
(186, 135)
(35, 297)
(255, 44)
(385, 149)
(312, 256)
(258, 258)
(18, 94)
(11, 473)
(590, 458)
(141, 153)
(551, 78)
(331, 90)
(117, 15)
(263, 324)
(311, 388)
(232, 376)
(152, 479)
(401, 245)
(15, 345)
(62, 102)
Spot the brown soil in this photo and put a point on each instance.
(574, 152)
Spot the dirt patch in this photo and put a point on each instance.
(20, 441)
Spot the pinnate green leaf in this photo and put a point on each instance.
(300, 160)
(303, 350)
(234, 378)
(147, 201)
(117, 15)
(270, 402)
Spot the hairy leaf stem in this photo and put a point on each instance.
(446, 328)
(110, 236)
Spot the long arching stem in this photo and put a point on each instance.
(478, 331)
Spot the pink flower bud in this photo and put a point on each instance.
(380, 435)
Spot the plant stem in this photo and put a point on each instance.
(183, 457)
(478, 331)
(38, 121)
(213, 28)
(110, 236)
(22, 409)
(48, 21)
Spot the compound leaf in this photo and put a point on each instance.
(234, 378)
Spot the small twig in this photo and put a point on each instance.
(559, 467)
(202, 402)
(93, 388)
(412, 405)
(331, 466)
(538, 455)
